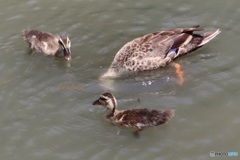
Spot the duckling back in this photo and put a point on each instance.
(41, 42)
(142, 118)
(156, 117)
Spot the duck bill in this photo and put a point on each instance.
(67, 54)
(97, 102)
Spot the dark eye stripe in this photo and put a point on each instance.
(103, 99)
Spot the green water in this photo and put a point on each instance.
(46, 111)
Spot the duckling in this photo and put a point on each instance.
(134, 118)
(48, 43)
(157, 49)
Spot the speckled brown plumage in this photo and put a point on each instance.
(157, 49)
(141, 118)
(134, 118)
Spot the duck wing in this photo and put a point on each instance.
(162, 42)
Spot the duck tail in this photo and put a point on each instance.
(168, 114)
(208, 36)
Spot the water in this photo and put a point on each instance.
(46, 110)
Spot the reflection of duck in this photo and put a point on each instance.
(135, 118)
(157, 49)
(47, 43)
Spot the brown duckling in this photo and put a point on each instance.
(47, 43)
(157, 49)
(134, 118)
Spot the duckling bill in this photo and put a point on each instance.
(48, 43)
(133, 118)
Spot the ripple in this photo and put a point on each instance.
(55, 131)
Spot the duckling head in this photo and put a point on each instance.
(65, 42)
(107, 100)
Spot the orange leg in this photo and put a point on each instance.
(179, 73)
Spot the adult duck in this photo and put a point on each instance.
(157, 49)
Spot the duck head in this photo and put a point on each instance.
(107, 100)
(65, 42)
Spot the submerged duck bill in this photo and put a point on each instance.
(67, 54)
(68, 58)
(97, 102)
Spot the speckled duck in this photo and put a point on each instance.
(157, 49)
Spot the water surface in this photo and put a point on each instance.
(42, 117)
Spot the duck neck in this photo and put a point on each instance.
(111, 72)
(58, 53)
(110, 113)
(112, 110)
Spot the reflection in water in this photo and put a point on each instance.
(179, 73)
(108, 84)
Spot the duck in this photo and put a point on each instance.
(137, 119)
(156, 50)
(48, 43)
